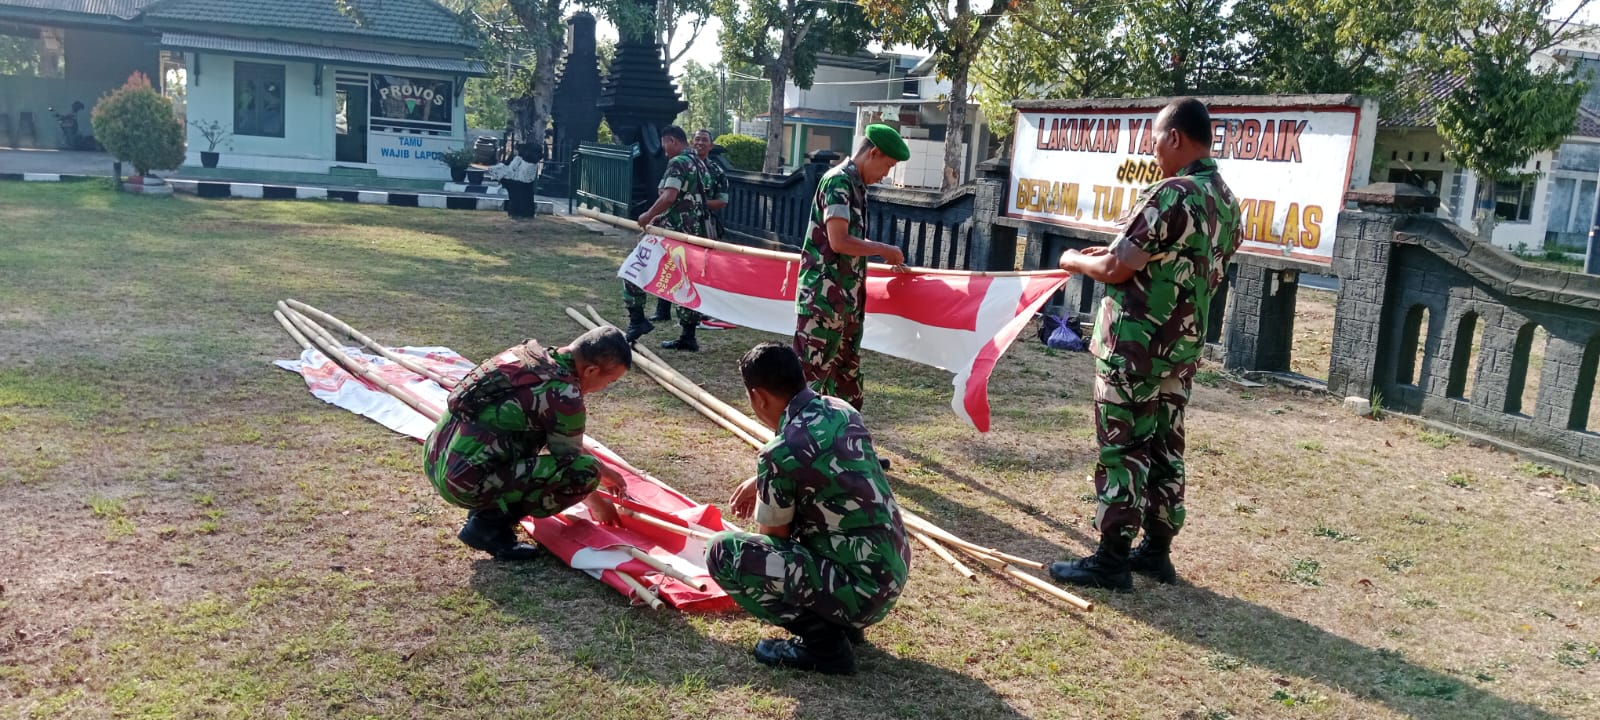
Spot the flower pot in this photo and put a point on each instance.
(209, 159)
(458, 175)
(474, 176)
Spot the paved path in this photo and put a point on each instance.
(55, 161)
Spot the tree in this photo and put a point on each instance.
(956, 32)
(783, 38)
(673, 15)
(137, 126)
(712, 97)
(1034, 55)
(1507, 107)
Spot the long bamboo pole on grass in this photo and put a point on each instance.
(664, 568)
(371, 344)
(354, 367)
(644, 593)
(627, 224)
(944, 554)
(1034, 582)
(294, 332)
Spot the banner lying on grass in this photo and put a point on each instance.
(598, 550)
(955, 321)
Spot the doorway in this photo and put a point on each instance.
(350, 122)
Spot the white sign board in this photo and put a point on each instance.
(409, 155)
(1288, 166)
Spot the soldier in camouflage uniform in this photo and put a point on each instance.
(830, 556)
(831, 304)
(485, 453)
(681, 206)
(717, 198)
(1160, 274)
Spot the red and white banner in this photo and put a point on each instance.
(955, 321)
(599, 550)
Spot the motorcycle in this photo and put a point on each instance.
(72, 138)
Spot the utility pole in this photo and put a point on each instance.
(722, 102)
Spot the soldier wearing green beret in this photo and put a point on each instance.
(831, 303)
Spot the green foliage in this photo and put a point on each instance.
(704, 90)
(1034, 55)
(743, 152)
(137, 126)
(1304, 571)
(1440, 440)
(458, 159)
(1376, 401)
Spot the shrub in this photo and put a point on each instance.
(457, 159)
(137, 126)
(744, 152)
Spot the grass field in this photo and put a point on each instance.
(187, 533)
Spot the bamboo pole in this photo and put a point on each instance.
(643, 593)
(373, 345)
(671, 527)
(627, 224)
(945, 536)
(945, 555)
(665, 569)
(1034, 582)
(749, 430)
(294, 332)
(357, 368)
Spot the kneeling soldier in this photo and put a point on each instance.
(484, 455)
(830, 556)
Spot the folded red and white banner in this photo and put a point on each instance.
(599, 550)
(956, 321)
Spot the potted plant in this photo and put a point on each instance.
(458, 160)
(215, 134)
(137, 126)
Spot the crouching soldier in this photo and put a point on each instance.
(511, 440)
(829, 557)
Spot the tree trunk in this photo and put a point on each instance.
(1484, 209)
(530, 115)
(955, 132)
(779, 73)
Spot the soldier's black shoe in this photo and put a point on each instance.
(494, 532)
(1106, 568)
(637, 325)
(1154, 558)
(883, 463)
(685, 341)
(663, 311)
(819, 646)
(855, 635)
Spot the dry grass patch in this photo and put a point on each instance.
(192, 535)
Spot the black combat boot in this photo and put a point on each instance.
(494, 532)
(1106, 568)
(818, 646)
(1153, 557)
(637, 325)
(685, 342)
(663, 311)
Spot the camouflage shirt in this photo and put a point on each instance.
(506, 411)
(820, 476)
(719, 181)
(687, 174)
(1182, 233)
(830, 283)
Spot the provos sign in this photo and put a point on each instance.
(1289, 160)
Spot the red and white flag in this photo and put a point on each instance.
(956, 321)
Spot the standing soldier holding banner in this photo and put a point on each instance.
(1160, 274)
(831, 304)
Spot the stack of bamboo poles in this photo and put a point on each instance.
(935, 538)
(305, 324)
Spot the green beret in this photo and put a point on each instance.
(886, 139)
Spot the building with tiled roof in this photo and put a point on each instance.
(298, 85)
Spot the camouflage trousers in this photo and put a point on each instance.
(530, 486)
(634, 296)
(829, 347)
(1140, 476)
(776, 579)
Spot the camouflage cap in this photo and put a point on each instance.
(887, 140)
